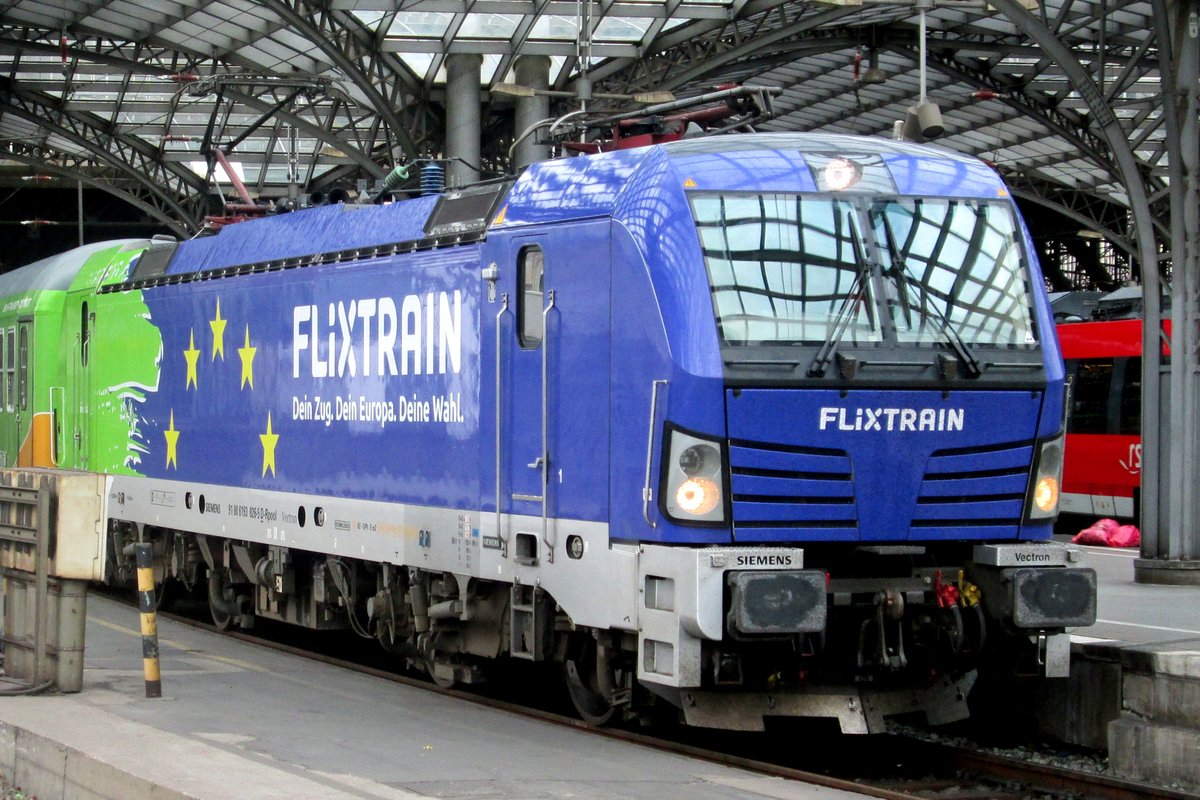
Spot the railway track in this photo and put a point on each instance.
(891, 767)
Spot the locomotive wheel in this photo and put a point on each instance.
(443, 681)
(583, 686)
(222, 618)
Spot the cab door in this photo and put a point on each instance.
(30, 438)
(526, 449)
(9, 437)
(78, 406)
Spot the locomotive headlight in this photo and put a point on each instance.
(1047, 477)
(1045, 495)
(692, 488)
(841, 173)
(700, 459)
(697, 496)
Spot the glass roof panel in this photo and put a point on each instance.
(489, 26)
(83, 96)
(219, 172)
(555, 27)
(621, 29)
(417, 62)
(34, 58)
(409, 24)
(369, 19)
(491, 62)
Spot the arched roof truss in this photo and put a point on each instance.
(137, 86)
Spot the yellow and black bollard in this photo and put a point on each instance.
(145, 581)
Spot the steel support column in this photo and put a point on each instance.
(1171, 554)
(1153, 511)
(463, 126)
(534, 72)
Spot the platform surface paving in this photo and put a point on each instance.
(241, 721)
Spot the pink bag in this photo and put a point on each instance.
(1109, 533)
(1125, 536)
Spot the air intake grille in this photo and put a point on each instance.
(791, 492)
(804, 491)
(972, 491)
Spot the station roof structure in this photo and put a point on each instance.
(126, 94)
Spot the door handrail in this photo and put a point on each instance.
(54, 423)
(499, 439)
(546, 424)
(646, 491)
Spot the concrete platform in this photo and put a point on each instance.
(239, 721)
(1135, 677)
(1137, 613)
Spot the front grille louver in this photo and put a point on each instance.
(782, 491)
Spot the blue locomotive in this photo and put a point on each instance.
(747, 426)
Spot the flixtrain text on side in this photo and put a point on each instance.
(730, 428)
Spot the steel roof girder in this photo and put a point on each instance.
(117, 151)
(30, 103)
(333, 35)
(142, 201)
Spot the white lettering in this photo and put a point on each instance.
(428, 331)
(346, 319)
(300, 340)
(410, 334)
(366, 310)
(891, 419)
(429, 334)
(450, 330)
(387, 335)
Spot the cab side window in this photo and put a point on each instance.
(23, 370)
(1130, 422)
(1090, 395)
(10, 369)
(5, 395)
(531, 273)
(1106, 395)
(85, 335)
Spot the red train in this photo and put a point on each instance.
(1103, 465)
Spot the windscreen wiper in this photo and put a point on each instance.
(905, 279)
(858, 289)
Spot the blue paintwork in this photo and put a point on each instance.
(317, 230)
(632, 306)
(220, 420)
(840, 474)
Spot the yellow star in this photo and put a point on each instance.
(191, 354)
(269, 440)
(247, 355)
(172, 442)
(218, 332)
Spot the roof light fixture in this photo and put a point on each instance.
(924, 120)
